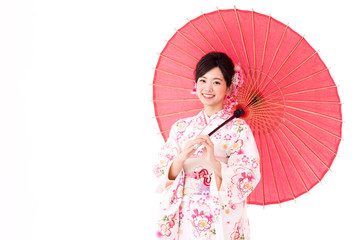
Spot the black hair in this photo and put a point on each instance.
(212, 60)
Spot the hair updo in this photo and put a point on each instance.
(212, 60)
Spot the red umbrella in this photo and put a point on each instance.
(290, 99)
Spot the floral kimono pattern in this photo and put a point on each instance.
(221, 214)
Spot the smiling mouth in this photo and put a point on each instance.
(208, 96)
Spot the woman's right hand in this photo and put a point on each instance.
(189, 149)
(186, 153)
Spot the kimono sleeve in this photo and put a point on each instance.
(167, 154)
(241, 174)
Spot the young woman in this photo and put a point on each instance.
(205, 179)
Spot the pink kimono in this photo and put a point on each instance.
(192, 207)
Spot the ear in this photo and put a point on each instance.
(229, 90)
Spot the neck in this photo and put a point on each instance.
(211, 111)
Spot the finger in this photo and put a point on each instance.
(205, 137)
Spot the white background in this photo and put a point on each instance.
(77, 137)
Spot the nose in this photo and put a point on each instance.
(208, 86)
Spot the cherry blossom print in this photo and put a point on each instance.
(217, 135)
(227, 137)
(202, 221)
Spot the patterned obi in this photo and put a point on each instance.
(197, 177)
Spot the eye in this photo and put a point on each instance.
(201, 80)
(217, 82)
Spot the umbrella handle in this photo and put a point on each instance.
(237, 113)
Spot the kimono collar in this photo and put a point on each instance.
(222, 114)
(202, 121)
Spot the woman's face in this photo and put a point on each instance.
(211, 89)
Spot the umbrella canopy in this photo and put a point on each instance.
(290, 99)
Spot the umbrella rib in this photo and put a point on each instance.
(190, 41)
(297, 67)
(283, 63)
(227, 31)
(173, 100)
(182, 50)
(310, 76)
(311, 136)
(307, 147)
(173, 74)
(291, 84)
(243, 42)
(310, 90)
(282, 165)
(303, 110)
(167, 130)
(275, 54)
(217, 36)
(202, 35)
(262, 170)
(166, 86)
(304, 101)
(175, 61)
(291, 161)
(254, 47)
(272, 169)
(306, 163)
(171, 114)
(264, 50)
(314, 125)
(260, 121)
(305, 91)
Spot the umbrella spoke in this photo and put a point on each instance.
(173, 74)
(172, 114)
(212, 47)
(262, 170)
(165, 131)
(191, 42)
(314, 125)
(286, 59)
(291, 161)
(177, 62)
(166, 86)
(298, 152)
(297, 67)
(275, 54)
(310, 90)
(264, 51)
(311, 102)
(291, 84)
(282, 165)
(182, 50)
(308, 134)
(303, 110)
(175, 100)
(272, 168)
(254, 47)
(311, 136)
(243, 42)
(227, 31)
(216, 34)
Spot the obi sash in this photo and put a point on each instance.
(197, 177)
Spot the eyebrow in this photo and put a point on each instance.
(213, 78)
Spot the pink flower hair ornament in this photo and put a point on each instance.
(230, 101)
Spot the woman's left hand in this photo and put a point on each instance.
(208, 148)
(210, 157)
